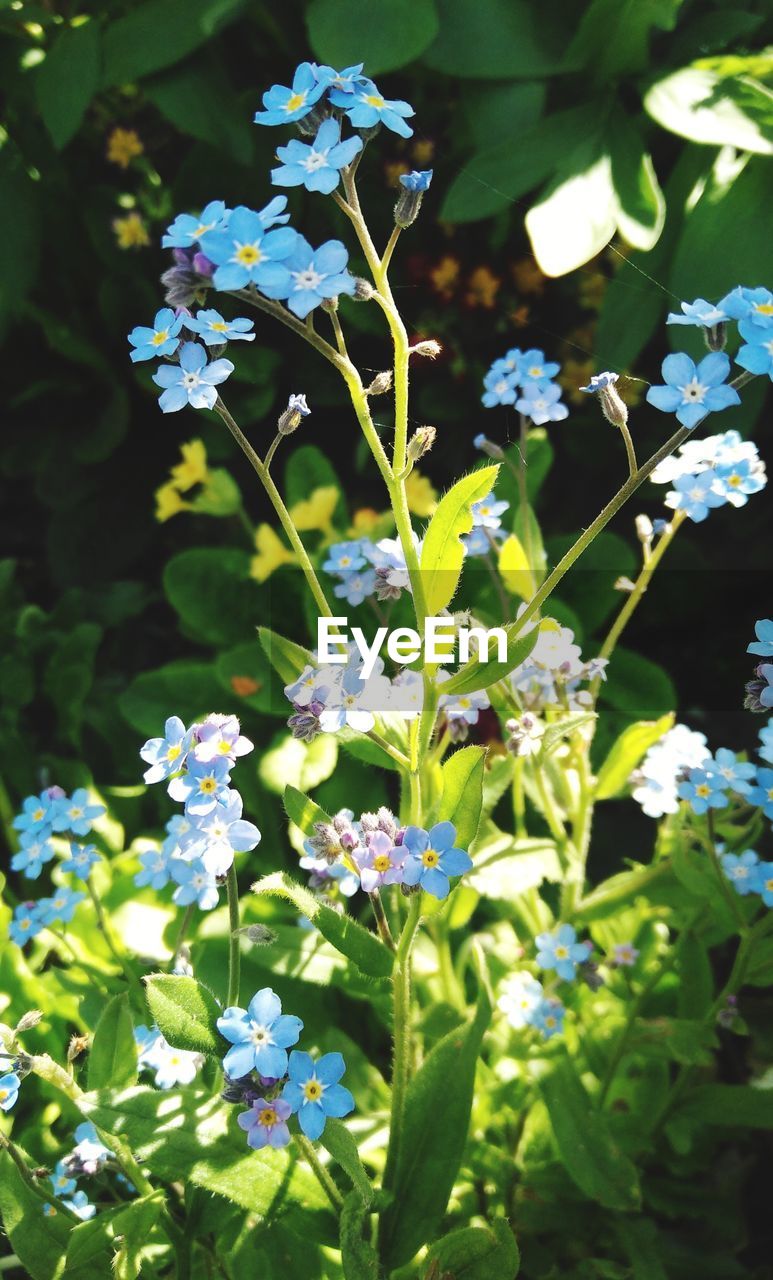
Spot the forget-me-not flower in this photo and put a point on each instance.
(154, 864)
(191, 382)
(246, 253)
(691, 391)
(756, 354)
(76, 814)
(221, 834)
(561, 951)
(382, 863)
(213, 329)
(342, 557)
(703, 790)
(316, 275)
(763, 647)
(700, 312)
(433, 858)
(521, 997)
(220, 736)
(314, 1093)
(317, 165)
(762, 793)
(203, 785)
(61, 1180)
(734, 773)
(266, 1123)
(366, 108)
(740, 870)
(737, 480)
(695, 495)
(36, 815)
(9, 1090)
(356, 586)
(32, 856)
(160, 340)
(541, 401)
(752, 304)
(762, 882)
(260, 1036)
(487, 512)
(167, 755)
(195, 883)
(417, 180)
(186, 229)
(499, 387)
(533, 367)
(283, 105)
(82, 858)
(26, 924)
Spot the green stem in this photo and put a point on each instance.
(293, 537)
(729, 897)
(385, 933)
(633, 465)
(104, 928)
(27, 1176)
(272, 448)
(634, 1008)
(320, 1172)
(180, 939)
(519, 800)
(234, 953)
(523, 492)
(401, 991)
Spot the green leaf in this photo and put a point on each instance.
(729, 1106)
(629, 23)
(38, 1241)
(198, 98)
(245, 672)
(637, 686)
(700, 105)
(497, 175)
(586, 1147)
(287, 658)
(479, 675)
(185, 1012)
(350, 938)
(67, 80)
(113, 1056)
(211, 590)
(358, 1257)
(303, 764)
(639, 1240)
(627, 752)
(477, 1253)
(189, 1130)
(462, 799)
(442, 554)
(303, 811)
(696, 980)
(641, 206)
(342, 1146)
(435, 1136)
(564, 728)
(111, 1244)
(159, 33)
(492, 40)
(384, 34)
(184, 688)
(575, 218)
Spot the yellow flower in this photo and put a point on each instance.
(423, 150)
(364, 521)
(482, 288)
(271, 553)
(130, 232)
(122, 146)
(528, 277)
(422, 498)
(193, 468)
(315, 512)
(445, 275)
(393, 169)
(169, 503)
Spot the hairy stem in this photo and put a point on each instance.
(234, 953)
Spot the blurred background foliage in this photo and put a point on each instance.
(620, 146)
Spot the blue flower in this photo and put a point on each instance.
(417, 180)
(316, 166)
(532, 367)
(60, 907)
(82, 858)
(561, 951)
(221, 834)
(76, 814)
(154, 871)
(763, 647)
(762, 881)
(486, 512)
(260, 1036)
(478, 542)
(191, 382)
(195, 884)
(366, 108)
(356, 586)
(90, 1150)
(520, 1000)
(736, 480)
(26, 923)
(297, 404)
(740, 871)
(599, 381)
(62, 1182)
(700, 312)
(749, 304)
(31, 856)
(246, 253)
(541, 401)
(167, 755)
(345, 80)
(343, 557)
(756, 354)
(283, 105)
(213, 329)
(81, 1207)
(549, 1017)
(37, 814)
(703, 790)
(766, 738)
(316, 275)
(762, 793)
(500, 387)
(464, 706)
(266, 1123)
(693, 391)
(314, 1093)
(9, 1090)
(733, 772)
(161, 340)
(695, 495)
(432, 858)
(202, 786)
(510, 362)
(186, 230)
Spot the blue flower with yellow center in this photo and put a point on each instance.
(365, 107)
(160, 340)
(433, 858)
(314, 1093)
(187, 230)
(245, 253)
(316, 166)
(283, 105)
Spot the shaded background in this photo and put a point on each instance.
(513, 100)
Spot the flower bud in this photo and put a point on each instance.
(363, 289)
(380, 384)
(715, 336)
(624, 584)
(428, 347)
(27, 1021)
(489, 448)
(614, 409)
(409, 200)
(259, 935)
(421, 442)
(290, 419)
(644, 529)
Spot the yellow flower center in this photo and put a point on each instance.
(374, 100)
(24, 925)
(312, 1091)
(430, 858)
(535, 371)
(702, 789)
(550, 1021)
(76, 813)
(764, 308)
(4, 1093)
(734, 480)
(208, 785)
(268, 1117)
(38, 815)
(562, 953)
(248, 255)
(219, 326)
(769, 886)
(381, 862)
(159, 338)
(224, 748)
(202, 229)
(295, 101)
(173, 752)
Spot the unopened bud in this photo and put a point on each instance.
(330, 304)
(624, 584)
(421, 442)
(309, 124)
(77, 1046)
(715, 336)
(363, 289)
(290, 419)
(409, 200)
(614, 409)
(644, 529)
(259, 935)
(27, 1021)
(428, 347)
(380, 384)
(489, 448)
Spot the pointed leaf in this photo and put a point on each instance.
(442, 554)
(185, 1012)
(627, 752)
(475, 675)
(348, 936)
(287, 658)
(113, 1056)
(462, 799)
(303, 811)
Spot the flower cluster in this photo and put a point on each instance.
(524, 379)
(88, 1158)
(748, 875)
(720, 470)
(170, 1067)
(553, 673)
(759, 691)
(377, 852)
(273, 1084)
(47, 824)
(656, 781)
(525, 1004)
(318, 92)
(201, 842)
(365, 568)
